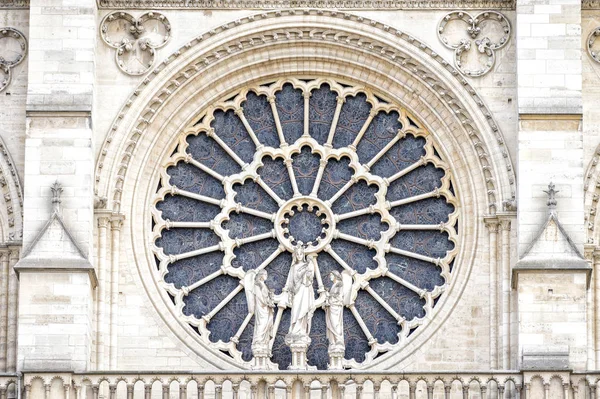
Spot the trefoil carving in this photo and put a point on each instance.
(135, 39)
(487, 32)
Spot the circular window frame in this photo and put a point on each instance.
(387, 105)
(391, 61)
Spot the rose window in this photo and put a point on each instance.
(334, 167)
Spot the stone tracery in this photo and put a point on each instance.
(482, 34)
(369, 173)
(135, 39)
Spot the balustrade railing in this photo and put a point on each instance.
(300, 385)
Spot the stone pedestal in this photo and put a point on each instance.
(261, 358)
(299, 356)
(336, 358)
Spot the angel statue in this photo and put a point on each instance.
(338, 296)
(300, 294)
(334, 308)
(260, 302)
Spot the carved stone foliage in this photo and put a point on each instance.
(11, 197)
(337, 167)
(13, 49)
(135, 39)
(487, 31)
(14, 4)
(590, 4)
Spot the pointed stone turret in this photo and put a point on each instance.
(551, 279)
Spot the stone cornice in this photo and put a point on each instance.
(273, 4)
(334, 4)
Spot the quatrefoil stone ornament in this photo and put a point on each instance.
(487, 32)
(135, 39)
(13, 48)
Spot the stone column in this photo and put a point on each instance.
(102, 298)
(13, 298)
(116, 223)
(412, 388)
(3, 307)
(596, 304)
(505, 271)
(447, 389)
(492, 225)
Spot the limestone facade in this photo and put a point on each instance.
(98, 99)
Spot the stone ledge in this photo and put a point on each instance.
(549, 266)
(57, 265)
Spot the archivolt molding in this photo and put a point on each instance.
(304, 43)
(14, 4)
(398, 56)
(11, 201)
(590, 4)
(591, 189)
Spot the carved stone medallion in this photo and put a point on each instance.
(13, 49)
(135, 39)
(474, 39)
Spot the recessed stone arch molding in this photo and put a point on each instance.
(297, 103)
(11, 199)
(592, 200)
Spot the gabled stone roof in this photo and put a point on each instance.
(552, 248)
(54, 246)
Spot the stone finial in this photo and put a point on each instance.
(551, 198)
(57, 190)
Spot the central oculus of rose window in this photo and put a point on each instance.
(306, 221)
(335, 168)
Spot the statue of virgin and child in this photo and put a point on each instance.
(299, 295)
